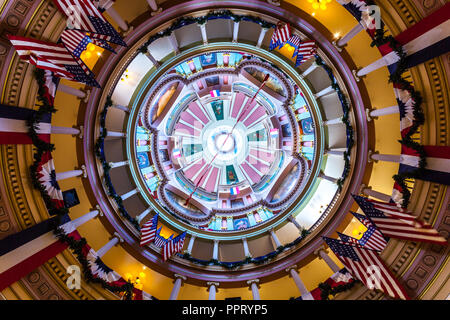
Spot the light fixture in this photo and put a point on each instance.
(319, 4)
(137, 281)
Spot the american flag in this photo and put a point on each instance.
(76, 41)
(305, 51)
(53, 57)
(281, 34)
(372, 238)
(395, 223)
(367, 266)
(294, 41)
(160, 240)
(173, 246)
(85, 16)
(148, 230)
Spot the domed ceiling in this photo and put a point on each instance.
(249, 151)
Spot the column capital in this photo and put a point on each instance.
(180, 276)
(370, 153)
(216, 241)
(318, 250)
(83, 168)
(86, 97)
(118, 236)
(255, 281)
(212, 283)
(100, 212)
(369, 118)
(288, 269)
(177, 275)
(276, 3)
(362, 187)
(338, 48)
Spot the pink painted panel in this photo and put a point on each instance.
(265, 156)
(254, 176)
(198, 112)
(212, 180)
(238, 100)
(186, 129)
(261, 167)
(258, 113)
(191, 120)
(246, 110)
(190, 172)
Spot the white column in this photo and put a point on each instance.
(191, 244)
(334, 152)
(204, 34)
(86, 217)
(333, 121)
(177, 285)
(324, 92)
(174, 43)
(246, 249)
(310, 69)
(212, 289)
(117, 18)
(275, 238)
(371, 67)
(152, 58)
(254, 287)
(154, 6)
(129, 194)
(381, 112)
(141, 216)
(375, 194)
(325, 177)
(109, 245)
(116, 134)
(119, 164)
(65, 130)
(296, 224)
(322, 254)
(215, 254)
(299, 283)
(70, 174)
(385, 157)
(235, 31)
(350, 35)
(69, 90)
(123, 108)
(262, 34)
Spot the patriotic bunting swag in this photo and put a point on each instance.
(341, 280)
(17, 260)
(367, 266)
(14, 125)
(394, 222)
(423, 41)
(46, 175)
